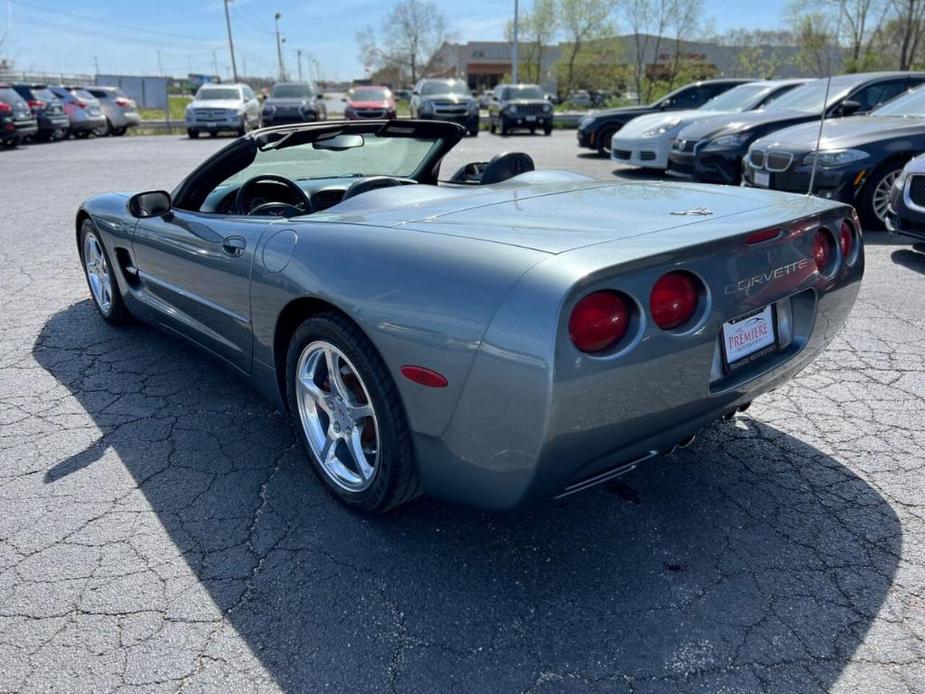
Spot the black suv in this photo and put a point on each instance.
(16, 120)
(519, 106)
(48, 111)
(596, 129)
(445, 100)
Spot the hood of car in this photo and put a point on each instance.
(559, 217)
(217, 103)
(736, 122)
(838, 133)
(668, 120)
(454, 98)
(626, 111)
(287, 101)
(368, 104)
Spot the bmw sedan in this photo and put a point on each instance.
(858, 161)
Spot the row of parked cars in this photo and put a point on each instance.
(42, 112)
(764, 133)
(236, 108)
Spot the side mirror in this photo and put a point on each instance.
(155, 203)
(665, 103)
(849, 106)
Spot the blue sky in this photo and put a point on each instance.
(61, 35)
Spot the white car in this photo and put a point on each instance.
(223, 107)
(646, 140)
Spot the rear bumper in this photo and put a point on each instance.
(19, 128)
(905, 218)
(53, 124)
(269, 119)
(528, 427)
(215, 124)
(469, 121)
(648, 154)
(88, 123)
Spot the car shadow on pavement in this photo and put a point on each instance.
(908, 258)
(749, 561)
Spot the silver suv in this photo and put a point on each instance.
(222, 107)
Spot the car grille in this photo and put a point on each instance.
(370, 113)
(756, 158)
(647, 156)
(778, 161)
(529, 109)
(210, 113)
(450, 108)
(622, 154)
(917, 190)
(683, 145)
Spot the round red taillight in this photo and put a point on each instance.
(822, 250)
(599, 321)
(846, 240)
(674, 299)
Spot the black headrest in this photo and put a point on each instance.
(507, 165)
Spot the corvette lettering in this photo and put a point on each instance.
(767, 276)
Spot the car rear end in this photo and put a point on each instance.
(906, 214)
(652, 338)
(120, 112)
(82, 109)
(16, 119)
(47, 109)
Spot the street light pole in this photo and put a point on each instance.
(234, 67)
(279, 48)
(299, 54)
(514, 58)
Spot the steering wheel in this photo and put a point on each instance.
(243, 197)
(364, 185)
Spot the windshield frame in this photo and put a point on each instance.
(384, 94)
(307, 91)
(839, 89)
(515, 92)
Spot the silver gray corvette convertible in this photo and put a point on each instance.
(494, 337)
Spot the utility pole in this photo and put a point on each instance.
(96, 64)
(299, 54)
(234, 67)
(515, 61)
(215, 66)
(160, 67)
(279, 48)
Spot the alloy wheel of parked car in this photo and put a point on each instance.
(104, 130)
(876, 199)
(346, 410)
(98, 271)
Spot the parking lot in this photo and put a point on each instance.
(161, 531)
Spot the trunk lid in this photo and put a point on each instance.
(563, 217)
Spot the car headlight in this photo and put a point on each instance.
(511, 109)
(829, 159)
(660, 130)
(734, 140)
(547, 108)
(585, 122)
(473, 107)
(426, 106)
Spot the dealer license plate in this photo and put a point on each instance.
(762, 179)
(749, 338)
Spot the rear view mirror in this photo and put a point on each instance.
(155, 203)
(339, 143)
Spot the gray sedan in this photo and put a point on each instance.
(497, 338)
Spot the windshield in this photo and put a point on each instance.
(527, 91)
(809, 98)
(217, 94)
(44, 94)
(741, 98)
(83, 94)
(458, 88)
(290, 91)
(351, 156)
(369, 94)
(908, 105)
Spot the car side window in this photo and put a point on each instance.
(248, 93)
(873, 95)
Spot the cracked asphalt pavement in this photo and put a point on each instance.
(160, 531)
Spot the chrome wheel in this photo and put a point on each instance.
(337, 416)
(880, 201)
(98, 273)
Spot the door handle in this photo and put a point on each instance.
(234, 246)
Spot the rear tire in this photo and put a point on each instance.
(547, 130)
(192, 134)
(100, 276)
(504, 128)
(365, 382)
(82, 134)
(603, 144)
(876, 195)
(104, 130)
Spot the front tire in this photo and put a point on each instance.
(99, 272)
(603, 143)
(348, 415)
(192, 134)
(875, 198)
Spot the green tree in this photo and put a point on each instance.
(536, 29)
(585, 25)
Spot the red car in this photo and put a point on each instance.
(370, 102)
